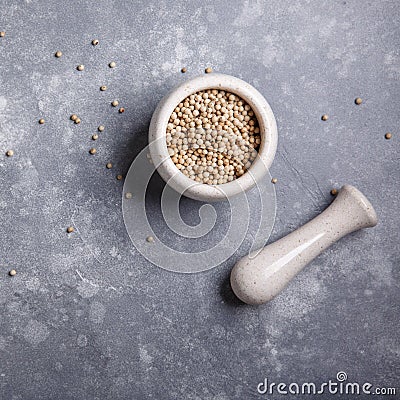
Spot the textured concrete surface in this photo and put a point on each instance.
(87, 317)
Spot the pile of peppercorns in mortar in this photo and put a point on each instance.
(213, 136)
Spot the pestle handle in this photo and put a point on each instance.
(258, 278)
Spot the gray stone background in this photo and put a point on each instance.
(86, 316)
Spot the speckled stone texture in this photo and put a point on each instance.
(86, 316)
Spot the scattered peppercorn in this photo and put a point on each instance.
(388, 136)
(128, 195)
(9, 153)
(58, 54)
(183, 70)
(334, 192)
(13, 272)
(95, 42)
(103, 88)
(41, 121)
(208, 70)
(112, 64)
(95, 136)
(121, 110)
(2, 34)
(274, 180)
(325, 117)
(70, 229)
(115, 103)
(101, 128)
(78, 121)
(80, 67)
(73, 117)
(92, 151)
(358, 101)
(109, 165)
(119, 177)
(150, 239)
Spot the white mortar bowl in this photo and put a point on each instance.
(200, 191)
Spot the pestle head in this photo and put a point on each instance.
(250, 283)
